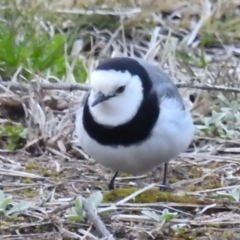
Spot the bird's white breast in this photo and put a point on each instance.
(171, 135)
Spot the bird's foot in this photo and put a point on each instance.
(164, 187)
(111, 184)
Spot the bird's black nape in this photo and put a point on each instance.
(111, 184)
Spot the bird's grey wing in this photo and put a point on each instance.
(161, 82)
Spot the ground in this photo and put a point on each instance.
(41, 161)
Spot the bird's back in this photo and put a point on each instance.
(162, 84)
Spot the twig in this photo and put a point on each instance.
(133, 195)
(62, 208)
(92, 216)
(96, 220)
(45, 86)
(85, 87)
(209, 87)
(15, 173)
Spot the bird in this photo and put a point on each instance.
(133, 118)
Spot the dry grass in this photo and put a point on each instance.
(195, 43)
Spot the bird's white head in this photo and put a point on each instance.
(115, 96)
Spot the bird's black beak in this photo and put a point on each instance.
(100, 97)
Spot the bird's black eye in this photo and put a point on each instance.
(120, 89)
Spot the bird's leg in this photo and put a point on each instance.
(164, 183)
(111, 184)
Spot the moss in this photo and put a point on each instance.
(150, 196)
(27, 180)
(168, 233)
(60, 180)
(212, 182)
(173, 179)
(185, 236)
(190, 172)
(101, 187)
(29, 193)
(122, 174)
(29, 166)
(6, 223)
(213, 225)
(46, 172)
(193, 188)
(229, 235)
(210, 230)
(209, 182)
(50, 173)
(55, 174)
(195, 172)
(106, 215)
(214, 165)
